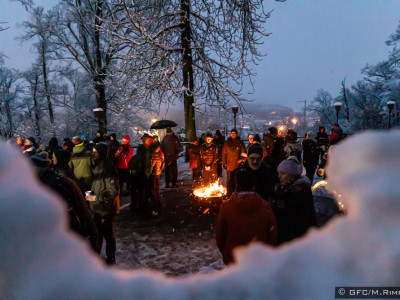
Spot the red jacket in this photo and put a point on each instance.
(244, 218)
(124, 155)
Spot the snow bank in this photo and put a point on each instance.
(39, 258)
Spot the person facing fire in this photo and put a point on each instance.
(193, 150)
(264, 177)
(245, 217)
(209, 158)
(231, 153)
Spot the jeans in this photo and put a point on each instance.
(105, 227)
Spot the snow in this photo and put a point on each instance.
(40, 259)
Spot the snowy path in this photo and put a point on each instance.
(180, 242)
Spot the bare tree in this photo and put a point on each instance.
(322, 107)
(188, 50)
(9, 92)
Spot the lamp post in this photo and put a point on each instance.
(338, 106)
(99, 114)
(390, 105)
(235, 110)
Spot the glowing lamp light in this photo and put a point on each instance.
(153, 120)
(294, 121)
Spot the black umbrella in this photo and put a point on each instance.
(163, 124)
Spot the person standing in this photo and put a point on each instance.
(171, 147)
(322, 141)
(219, 141)
(310, 155)
(262, 175)
(209, 158)
(292, 202)
(231, 153)
(269, 139)
(80, 220)
(52, 147)
(30, 147)
(243, 218)
(81, 164)
(113, 146)
(99, 137)
(154, 165)
(194, 161)
(293, 147)
(105, 188)
(124, 155)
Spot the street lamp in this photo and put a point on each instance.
(390, 105)
(338, 106)
(99, 113)
(235, 110)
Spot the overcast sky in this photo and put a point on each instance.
(314, 44)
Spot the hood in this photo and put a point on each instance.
(301, 183)
(53, 142)
(247, 202)
(63, 157)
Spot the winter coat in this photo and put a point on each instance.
(112, 147)
(274, 160)
(264, 180)
(80, 219)
(208, 154)
(147, 161)
(194, 155)
(294, 148)
(171, 147)
(293, 206)
(52, 147)
(124, 155)
(157, 160)
(268, 142)
(244, 218)
(325, 203)
(106, 188)
(322, 140)
(219, 142)
(81, 164)
(310, 153)
(231, 153)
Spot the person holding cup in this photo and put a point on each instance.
(105, 188)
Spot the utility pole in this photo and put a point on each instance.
(305, 111)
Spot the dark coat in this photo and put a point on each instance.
(137, 163)
(112, 147)
(106, 188)
(171, 147)
(231, 153)
(219, 142)
(322, 139)
(52, 147)
(264, 180)
(310, 153)
(208, 154)
(293, 206)
(244, 218)
(80, 219)
(269, 142)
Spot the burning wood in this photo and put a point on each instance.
(215, 189)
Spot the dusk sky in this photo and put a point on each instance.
(314, 44)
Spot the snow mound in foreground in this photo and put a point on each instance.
(41, 259)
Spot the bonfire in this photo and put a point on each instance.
(215, 189)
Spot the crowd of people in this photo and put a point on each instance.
(268, 197)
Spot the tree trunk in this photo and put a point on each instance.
(187, 71)
(100, 75)
(36, 107)
(9, 117)
(46, 88)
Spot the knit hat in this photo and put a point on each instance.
(273, 130)
(41, 159)
(290, 166)
(20, 141)
(83, 137)
(255, 148)
(76, 140)
(209, 135)
(126, 139)
(101, 148)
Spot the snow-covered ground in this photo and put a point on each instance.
(40, 259)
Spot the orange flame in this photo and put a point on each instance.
(216, 189)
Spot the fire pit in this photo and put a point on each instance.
(212, 194)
